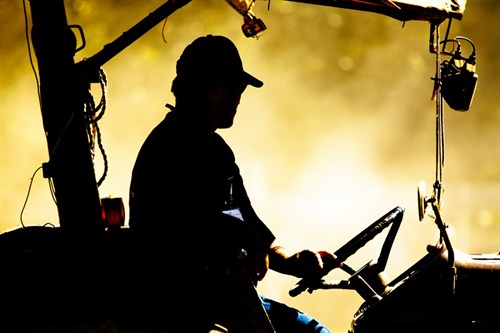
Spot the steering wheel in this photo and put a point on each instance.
(394, 217)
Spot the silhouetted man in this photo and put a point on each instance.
(187, 195)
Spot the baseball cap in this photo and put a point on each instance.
(213, 56)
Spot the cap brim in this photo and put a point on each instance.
(252, 80)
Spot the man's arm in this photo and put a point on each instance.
(300, 264)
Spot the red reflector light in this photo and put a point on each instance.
(113, 212)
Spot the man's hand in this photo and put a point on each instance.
(305, 263)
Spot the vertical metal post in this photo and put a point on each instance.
(440, 160)
(70, 165)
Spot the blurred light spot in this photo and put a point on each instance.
(149, 53)
(289, 23)
(346, 63)
(283, 8)
(485, 218)
(197, 28)
(335, 20)
(100, 33)
(138, 96)
(83, 8)
(416, 62)
(316, 64)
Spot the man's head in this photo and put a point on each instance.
(209, 59)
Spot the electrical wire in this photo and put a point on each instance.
(37, 80)
(26, 28)
(93, 114)
(27, 196)
(163, 30)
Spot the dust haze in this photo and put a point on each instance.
(342, 131)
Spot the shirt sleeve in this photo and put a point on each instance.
(238, 195)
(248, 213)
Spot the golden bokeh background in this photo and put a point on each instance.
(342, 131)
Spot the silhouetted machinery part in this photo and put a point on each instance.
(459, 78)
(432, 297)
